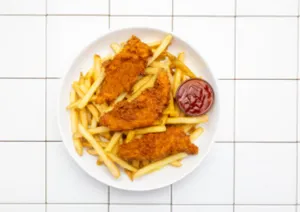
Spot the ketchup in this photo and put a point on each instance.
(195, 97)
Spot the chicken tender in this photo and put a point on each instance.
(142, 111)
(123, 70)
(156, 146)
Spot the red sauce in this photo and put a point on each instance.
(195, 97)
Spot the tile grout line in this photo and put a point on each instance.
(297, 112)
(172, 19)
(46, 108)
(109, 13)
(234, 107)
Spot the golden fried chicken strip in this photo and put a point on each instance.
(142, 111)
(123, 70)
(156, 146)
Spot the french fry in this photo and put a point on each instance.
(99, 161)
(115, 149)
(184, 68)
(98, 130)
(153, 166)
(181, 56)
(86, 144)
(153, 129)
(118, 99)
(161, 121)
(89, 117)
(73, 114)
(170, 108)
(153, 70)
(129, 174)
(83, 117)
(154, 44)
(149, 84)
(73, 105)
(176, 81)
(78, 146)
(145, 162)
(97, 66)
(106, 135)
(130, 136)
(113, 141)
(83, 88)
(101, 108)
(110, 165)
(81, 78)
(121, 162)
(94, 123)
(77, 89)
(141, 83)
(188, 120)
(92, 152)
(91, 91)
(87, 83)
(164, 44)
(100, 142)
(176, 163)
(93, 110)
(136, 164)
(115, 47)
(187, 127)
(194, 135)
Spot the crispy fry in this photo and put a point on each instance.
(93, 110)
(74, 114)
(153, 70)
(177, 81)
(83, 88)
(154, 44)
(78, 146)
(100, 142)
(121, 162)
(97, 66)
(145, 162)
(188, 120)
(129, 174)
(83, 117)
(136, 164)
(194, 135)
(99, 161)
(130, 136)
(86, 144)
(181, 56)
(141, 83)
(87, 83)
(154, 129)
(106, 135)
(114, 140)
(92, 152)
(115, 47)
(110, 165)
(93, 123)
(145, 170)
(164, 44)
(77, 89)
(118, 99)
(170, 108)
(187, 127)
(91, 91)
(176, 163)
(98, 130)
(184, 68)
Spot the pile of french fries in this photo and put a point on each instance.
(103, 143)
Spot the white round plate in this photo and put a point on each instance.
(169, 174)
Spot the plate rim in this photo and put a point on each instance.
(180, 176)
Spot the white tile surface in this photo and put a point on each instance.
(22, 41)
(265, 173)
(67, 183)
(213, 38)
(139, 208)
(261, 113)
(211, 183)
(22, 178)
(53, 86)
(163, 23)
(23, 7)
(204, 7)
(22, 208)
(158, 196)
(76, 208)
(67, 36)
(137, 7)
(266, 48)
(77, 6)
(197, 208)
(264, 208)
(225, 131)
(22, 109)
(267, 7)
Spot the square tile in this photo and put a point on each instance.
(22, 208)
(258, 104)
(67, 183)
(139, 208)
(159, 196)
(23, 7)
(197, 208)
(22, 109)
(225, 131)
(264, 208)
(267, 7)
(204, 7)
(22, 178)
(77, 208)
(53, 86)
(67, 36)
(137, 7)
(19, 36)
(77, 6)
(164, 23)
(265, 173)
(266, 48)
(214, 40)
(211, 183)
